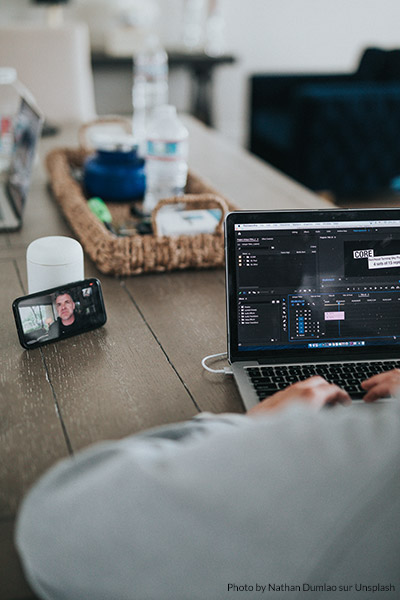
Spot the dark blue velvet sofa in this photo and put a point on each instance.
(337, 132)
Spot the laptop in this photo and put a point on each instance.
(311, 292)
(14, 189)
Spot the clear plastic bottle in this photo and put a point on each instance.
(150, 84)
(9, 102)
(194, 16)
(166, 157)
(139, 118)
(215, 30)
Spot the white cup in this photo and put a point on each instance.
(53, 261)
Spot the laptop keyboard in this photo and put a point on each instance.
(268, 380)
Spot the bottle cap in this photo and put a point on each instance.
(7, 75)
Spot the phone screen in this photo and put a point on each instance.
(59, 313)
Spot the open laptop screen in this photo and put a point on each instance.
(27, 129)
(323, 283)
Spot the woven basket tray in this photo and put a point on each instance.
(136, 253)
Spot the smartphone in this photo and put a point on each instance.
(59, 312)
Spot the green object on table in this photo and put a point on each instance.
(99, 208)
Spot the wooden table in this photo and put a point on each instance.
(143, 368)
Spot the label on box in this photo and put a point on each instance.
(187, 222)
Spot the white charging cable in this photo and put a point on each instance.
(225, 370)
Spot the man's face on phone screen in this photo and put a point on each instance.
(65, 308)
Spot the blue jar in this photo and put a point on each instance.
(115, 173)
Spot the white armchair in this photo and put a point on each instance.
(54, 63)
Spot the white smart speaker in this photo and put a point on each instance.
(53, 261)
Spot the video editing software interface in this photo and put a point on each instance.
(318, 285)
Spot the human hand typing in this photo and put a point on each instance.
(314, 391)
(317, 392)
(382, 385)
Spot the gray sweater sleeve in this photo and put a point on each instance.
(185, 512)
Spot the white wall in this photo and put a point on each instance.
(297, 35)
(269, 35)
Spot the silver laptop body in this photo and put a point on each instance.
(315, 289)
(15, 186)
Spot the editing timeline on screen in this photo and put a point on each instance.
(317, 286)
